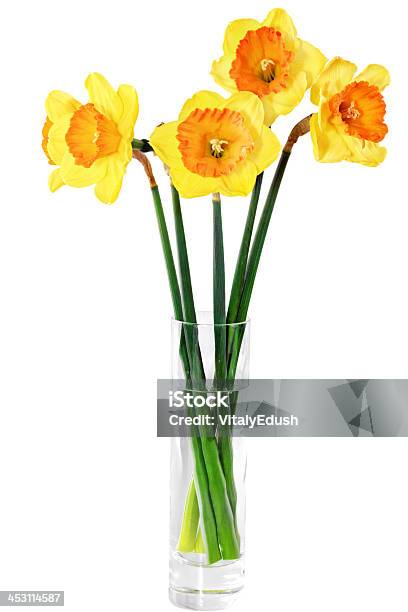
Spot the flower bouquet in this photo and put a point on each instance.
(218, 146)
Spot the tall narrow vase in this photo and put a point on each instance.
(207, 499)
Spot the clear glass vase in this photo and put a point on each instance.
(207, 483)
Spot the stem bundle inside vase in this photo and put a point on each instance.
(209, 524)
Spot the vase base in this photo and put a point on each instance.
(197, 586)
(203, 600)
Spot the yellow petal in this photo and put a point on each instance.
(55, 180)
(250, 107)
(266, 150)
(364, 152)
(376, 75)
(78, 176)
(129, 99)
(107, 190)
(309, 59)
(241, 181)
(191, 185)
(236, 31)
(59, 103)
(57, 147)
(328, 144)
(202, 99)
(220, 72)
(335, 76)
(280, 20)
(165, 144)
(285, 101)
(104, 97)
(124, 151)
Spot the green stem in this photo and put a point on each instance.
(227, 460)
(259, 239)
(240, 295)
(253, 261)
(219, 292)
(199, 545)
(141, 145)
(171, 271)
(202, 478)
(189, 310)
(220, 338)
(189, 527)
(300, 129)
(184, 265)
(203, 481)
(168, 255)
(241, 265)
(216, 481)
(226, 450)
(240, 268)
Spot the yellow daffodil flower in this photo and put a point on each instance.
(91, 143)
(268, 59)
(217, 145)
(350, 121)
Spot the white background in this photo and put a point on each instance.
(85, 332)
